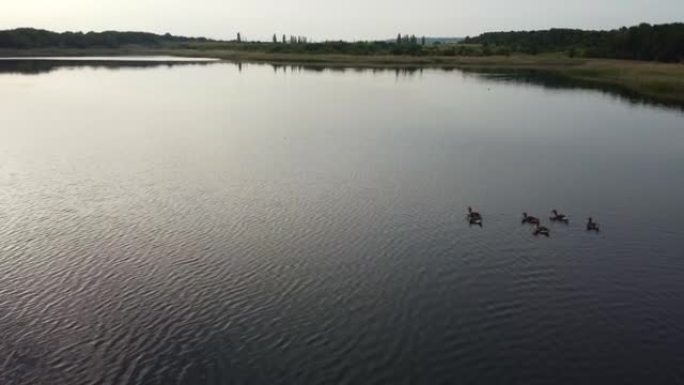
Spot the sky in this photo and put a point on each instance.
(340, 19)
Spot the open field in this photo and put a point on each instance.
(660, 81)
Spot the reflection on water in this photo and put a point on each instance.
(255, 224)
(32, 66)
(541, 78)
(555, 81)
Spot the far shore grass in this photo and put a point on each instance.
(660, 81)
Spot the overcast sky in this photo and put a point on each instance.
(324, 19)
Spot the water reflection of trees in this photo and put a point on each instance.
(34, 66)
(537, 78)
(399, 71)
(554, 81)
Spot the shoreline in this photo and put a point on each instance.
(659, 81)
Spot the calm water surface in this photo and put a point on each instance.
(175, 223)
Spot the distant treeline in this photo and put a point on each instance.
(664, 42)
(25, 38)
(329, 48)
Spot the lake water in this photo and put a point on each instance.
(213, 223)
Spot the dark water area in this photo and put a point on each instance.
(555, 81)
(218, 223)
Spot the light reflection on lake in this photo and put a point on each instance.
(211, 223)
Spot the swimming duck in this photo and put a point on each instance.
(559, 217)
(541, 230)
(530, 220)
(592, 226)
(475, 221)
(473, 214)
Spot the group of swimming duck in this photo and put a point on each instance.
(475, 218)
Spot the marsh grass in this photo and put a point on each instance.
(657, 80)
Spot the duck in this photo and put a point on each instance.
(541, 230)
(475, 221)
(530, 220)
(559, 217)
(592, 226)
(473, 214)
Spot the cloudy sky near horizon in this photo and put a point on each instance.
(342, 19)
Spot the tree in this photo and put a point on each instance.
(34, 38)
(275, 39)
(664, 42)
(422, 40)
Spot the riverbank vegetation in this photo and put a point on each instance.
(30, 38)
(629, 58)
(663, 43)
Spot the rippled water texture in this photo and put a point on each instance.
(211, 223)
